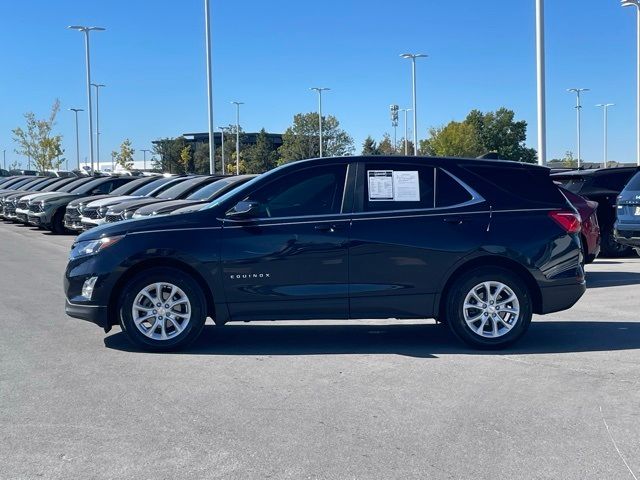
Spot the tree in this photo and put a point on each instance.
(385, 147)
(457, 139)
(260, 157)
(168, 151)
(499, 132)
(124, 158)
(37, 141)
(185, 159)
(370, 147)
(301, 139)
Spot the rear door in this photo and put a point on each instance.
(412, 222)
(289, 261)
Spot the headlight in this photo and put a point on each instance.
(102, 211)
(91, 247)
(127, 214)
(80, 208)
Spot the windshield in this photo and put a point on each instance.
(177, 190)
(573, 184)
(130, 186)
(87, 187)
(71, 186)
(150, 187)
(32, 183)
(634, 183)
(59, 183)
(207, 191)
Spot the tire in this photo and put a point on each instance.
(612, 249)
(179, 329)
(57, 223)
(509, 326)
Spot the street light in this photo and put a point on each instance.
(578, 91)
(605, 109)
(76, 110)
(636, 3)
(144, 158)
(406, 140)
(222, 130)
(86, 31)
(540, 77)
(4, 158)
(98, 86)
(237, 104)
(320, 90)
(413, 57)
(212, 145)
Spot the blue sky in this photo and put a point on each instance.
(268, 54)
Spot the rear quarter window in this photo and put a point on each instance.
(634, 183)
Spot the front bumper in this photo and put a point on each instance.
(72, 222)
(97, 314)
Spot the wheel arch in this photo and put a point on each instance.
(492, 261)
(156, 263)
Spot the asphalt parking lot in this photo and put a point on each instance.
(339, 400)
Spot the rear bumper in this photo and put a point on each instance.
(627, 236)
(561, 297)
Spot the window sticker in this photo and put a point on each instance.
(406, 186)
(380, 185)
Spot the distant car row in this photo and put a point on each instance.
(77, 204)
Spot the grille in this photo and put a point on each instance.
(73, 212)
(90, 213)
(113, 217)
(36, 208)
(9, 209)
(23, 205)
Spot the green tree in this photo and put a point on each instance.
(370, 147)
(499, 132)
(125, 155)
(385, 147)
(260, 157)
(168, 152)
(185, 159)
(38, 141)
(457, 139)
(409, 146)
(300, 140)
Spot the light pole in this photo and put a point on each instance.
(4, 159)
(144, 158)
(605, 109)
(98, 86)
(212, 145)
(75, 111)
(406, 140)
(540, 75)
(222, 129)
(578, 91)
(413, 57)
(237, 104)
(113, 162)
(86, 31)
(320, 90)
(636, 3)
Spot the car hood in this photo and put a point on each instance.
(134, 205)
(39, 196)
(59, 197)
(172, 222)
(85, 200)
(164, 207)
(8, 196)
(108, 201)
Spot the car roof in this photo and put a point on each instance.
(595, 172)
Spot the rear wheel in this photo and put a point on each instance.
(162, 309)
(489, 308)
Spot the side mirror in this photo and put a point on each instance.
(243, 209)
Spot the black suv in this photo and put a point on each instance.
(480, 245)
(602, 185)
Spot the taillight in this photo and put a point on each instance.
(569, 221)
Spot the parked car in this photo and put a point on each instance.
(602, 185)
(202, 196)
(590, 231)
(93, 214)
(15, 183)
(627, 227)
(60, 173)
(180, 190)
(75, 208)
(49, 212)
(30, 173)
(23, 203)
(9, 200)
(478, 244)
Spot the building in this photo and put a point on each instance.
(196, 139)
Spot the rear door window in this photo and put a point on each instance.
(392, 186)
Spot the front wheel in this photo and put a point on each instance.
(489, 308)
(162, 309)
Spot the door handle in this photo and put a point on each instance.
(327, 227)
(454, 220)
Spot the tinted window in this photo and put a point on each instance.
(207, 191)
(180, 188)
(612, 180)
(58, 184)
(573, 184)
(99, 186)
(150, 187)
(312, 191)
(73, 185)
(398, 186)
(634, 183)
(130, 186)
(449, 192)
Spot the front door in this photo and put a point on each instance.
(289, 260)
